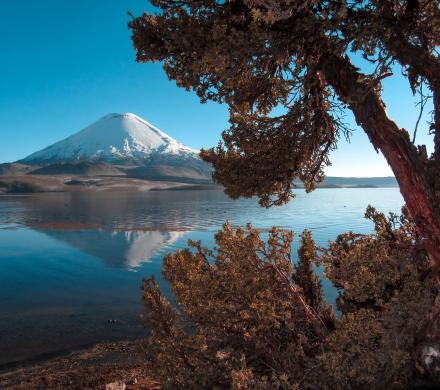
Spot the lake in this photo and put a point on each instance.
(71, 264)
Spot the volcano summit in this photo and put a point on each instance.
(113, 138)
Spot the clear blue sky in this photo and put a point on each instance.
(65, 64)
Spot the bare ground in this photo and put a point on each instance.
(93, 368)
(22, 184)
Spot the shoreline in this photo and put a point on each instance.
(88, 368)
(46, 357)
(38, 184)
(21, 183)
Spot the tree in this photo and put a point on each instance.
(283, 68)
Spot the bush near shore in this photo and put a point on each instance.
(245, 318)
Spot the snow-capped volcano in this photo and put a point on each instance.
(119, 145)
(113, 137)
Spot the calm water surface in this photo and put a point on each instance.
(71, 264)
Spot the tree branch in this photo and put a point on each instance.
(422, 104)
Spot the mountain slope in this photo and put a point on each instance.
(83, 168)
(131, 145)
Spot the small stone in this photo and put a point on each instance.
(119, 385)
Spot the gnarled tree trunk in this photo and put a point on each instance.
(414, 172)
(411, 167)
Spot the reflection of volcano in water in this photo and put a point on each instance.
(128, 249)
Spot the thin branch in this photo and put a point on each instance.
(422, 104)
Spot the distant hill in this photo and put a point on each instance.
(355, 182)
(15, 169)
(360, 182)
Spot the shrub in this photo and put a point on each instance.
(386, 292)
(245, 317)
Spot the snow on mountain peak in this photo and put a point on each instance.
(114, 136)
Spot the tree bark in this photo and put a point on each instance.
(410, 165)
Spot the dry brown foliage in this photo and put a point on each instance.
(284, 69)
(240, 320)
(245, 318)
(386, 293)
